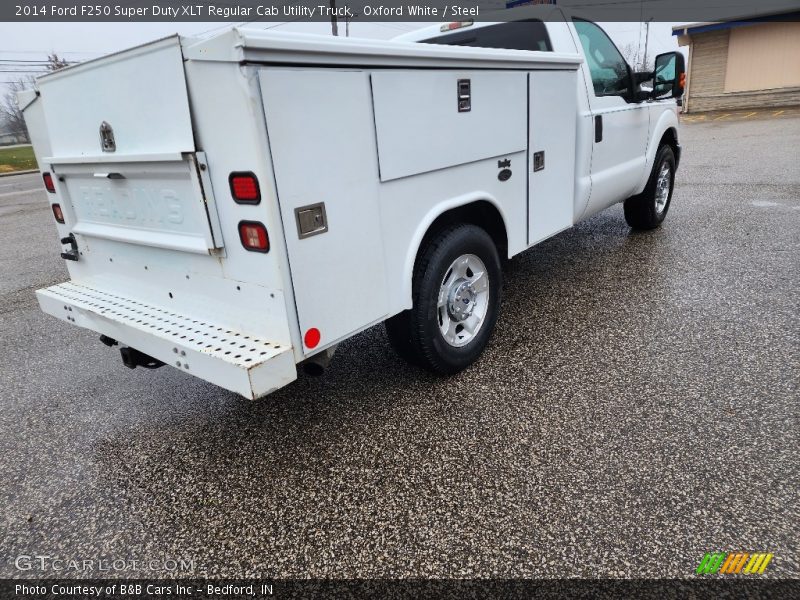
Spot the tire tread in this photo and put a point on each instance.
(640, 211)
(407, 330)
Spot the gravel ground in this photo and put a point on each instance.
(637, 407)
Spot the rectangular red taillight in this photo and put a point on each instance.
(254, 236)
(48, 183)
(58, 213)
(244, 188)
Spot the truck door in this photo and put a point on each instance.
(621, 129)
(322, 141)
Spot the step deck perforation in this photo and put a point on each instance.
(240, 348)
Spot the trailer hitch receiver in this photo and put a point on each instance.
(132, 358)
(72, 253)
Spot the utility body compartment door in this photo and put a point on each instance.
(551, 162)
(139, 93)
(322, 140)
(121, 149)
(429, 120)
(165, 202)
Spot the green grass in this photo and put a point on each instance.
(17, 159)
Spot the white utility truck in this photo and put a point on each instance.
(237, 205)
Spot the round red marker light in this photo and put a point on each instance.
(312, 337)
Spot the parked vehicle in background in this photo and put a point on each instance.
(237, 205)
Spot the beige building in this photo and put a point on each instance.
(752, 63)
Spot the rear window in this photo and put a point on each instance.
(517, 35)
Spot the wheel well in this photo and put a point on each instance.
(483, 214)
(670, 137)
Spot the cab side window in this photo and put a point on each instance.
(608, 69)
(530, 34)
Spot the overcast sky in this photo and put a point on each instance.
(81, 41)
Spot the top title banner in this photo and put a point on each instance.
(239, 11)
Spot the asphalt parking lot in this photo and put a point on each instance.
(637, 408)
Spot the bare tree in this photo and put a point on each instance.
(10, 115)
(630, 52)
(54, 62)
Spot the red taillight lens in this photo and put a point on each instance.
(254, 236)
(48, 183)
(312, 337)
(58, 213)
(244, 188)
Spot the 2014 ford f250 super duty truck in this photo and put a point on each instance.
(236, 205)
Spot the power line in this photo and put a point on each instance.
(46, 52)
(14, 60)
(34, 63)
(393, 26)
(284, 23)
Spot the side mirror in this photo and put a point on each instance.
(669, 75)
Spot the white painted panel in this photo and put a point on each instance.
(322, 140)
(153, 204)
(419, 128)
(552, 130)
(141, 93)
(409, 205)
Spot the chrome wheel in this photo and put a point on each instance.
(663, 184)
(463, 300)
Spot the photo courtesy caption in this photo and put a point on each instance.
(83, 590)
(137, 589)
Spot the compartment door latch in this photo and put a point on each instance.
(538, 161)
(107, 142)
(464, 95)
(311, 220)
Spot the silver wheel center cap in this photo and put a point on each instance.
(461, 302)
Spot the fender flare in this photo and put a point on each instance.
(667, 120)
(424, 226)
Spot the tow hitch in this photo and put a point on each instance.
(72, 253)
(132, 358)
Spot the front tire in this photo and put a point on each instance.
(456, 294)
(648, 209)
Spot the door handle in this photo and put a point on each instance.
(598, 128)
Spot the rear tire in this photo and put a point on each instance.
(648, 209)
(456, 291)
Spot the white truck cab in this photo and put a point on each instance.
(619, 128)
(237, 205)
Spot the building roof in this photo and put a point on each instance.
(744, 20)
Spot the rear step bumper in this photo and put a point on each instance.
(237, 361)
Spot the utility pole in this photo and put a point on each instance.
(646, 39)
(334, 23)
(347, 19)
